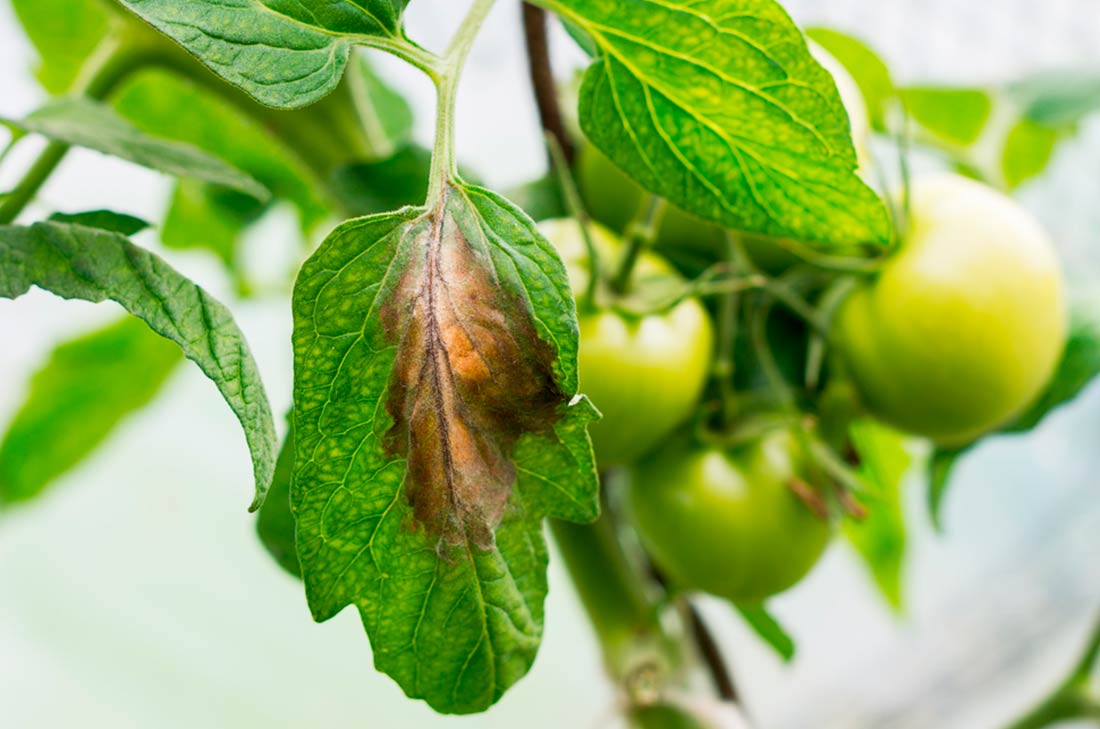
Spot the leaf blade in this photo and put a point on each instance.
(76, 262)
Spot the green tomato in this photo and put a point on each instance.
(726, 521)
(645, 373)
(964, 326)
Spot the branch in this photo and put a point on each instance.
(542, 78)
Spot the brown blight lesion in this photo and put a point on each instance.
(471, 377)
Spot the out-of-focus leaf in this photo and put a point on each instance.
(1057, 99)
(205, 216)
(389, 184)
(66, 33)
(541, 198)
(955, 115)
(865, 66)
(86, 123)
(384, 115)
(939, 478)
(1028, 149)
(275, 524)
(76, 262)
(770, 630)
(104, 220)
(89, 385)
(880, 538)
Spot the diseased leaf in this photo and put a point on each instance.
(865, 66)
(66, 33)
(86, 123)
(104, 220)
(718, 106)
(770, 630)
(1027, 151)
(285, 54)
(954, 115)
(89, 385)
(880, 538)
(76, 262)
(275, 524)
(435, 425)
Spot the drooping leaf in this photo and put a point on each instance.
(939, 478)
(76, 262)
(1028, 149)
(435, 425)
(86, 123)
(880, 538)
(1079, 365)
(718, 106)
(89, 385)
(165, 104)
(1057, 99)
(865, 66)
(957, 116)
(284, 54)
(275, 523)
(66, 33)
(104, 220)
(770, 630)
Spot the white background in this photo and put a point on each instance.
(136, 595)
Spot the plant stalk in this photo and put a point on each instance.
(542, 79)
(640, 235)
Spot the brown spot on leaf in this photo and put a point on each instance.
(471, 377)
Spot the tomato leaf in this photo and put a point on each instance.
(954, 115)
(66, 33)
(1057, 99)
(104, 220)
(86, 123)
(719, 107)
(770, 630)
(1028, 149)
(880, 538)
(366, 188)
(865, 66)
(275, 522)
(435, 425)
(285, 55)
(940, 468)
(76, 262)
(88, 386)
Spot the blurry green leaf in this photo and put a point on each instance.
(1028, 149)
(285, 55)
(375, 187)
(75, 262)
(765, 625)
(66, 33)
(214, 218)
(86, 123)
(658, 104)
(541, 198)
(954, 115)
(865, 66)
(663, 716)
(1057, 99)
(88, 386)
(164, 104)
(275, 524)
(384, 115)
(880, 538)
(1080, 363)
(104, 220)
(939, 478)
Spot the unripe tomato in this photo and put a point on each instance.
(644, 372)
(726, 521)
(964, 326)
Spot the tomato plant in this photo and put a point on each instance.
(720, 348)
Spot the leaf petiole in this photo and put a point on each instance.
(640, 234)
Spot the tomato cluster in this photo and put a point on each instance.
(947, 336)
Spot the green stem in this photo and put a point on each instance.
(444, 162)
(728, 314)
(640, 234)
(586, 303)
(32, 181)
(614, 597)
(1068, 703)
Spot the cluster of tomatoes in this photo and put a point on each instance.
(947, 336)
